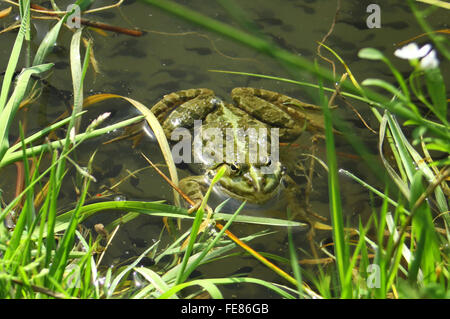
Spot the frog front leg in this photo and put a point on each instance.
(194, 187)
(180, 109)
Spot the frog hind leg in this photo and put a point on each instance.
(265, 105)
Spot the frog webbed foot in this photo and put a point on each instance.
(300, 208)
(193, 187)
(304, 214)
(197, 205)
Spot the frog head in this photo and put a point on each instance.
(254, 182)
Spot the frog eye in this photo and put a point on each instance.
(235, 167)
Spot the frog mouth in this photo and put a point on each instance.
(247, 191)
(252, 197)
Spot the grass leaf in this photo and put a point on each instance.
(14, 57)
(13, 104)
(370, 54)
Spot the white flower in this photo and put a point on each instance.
(429, 61)
(412, 51)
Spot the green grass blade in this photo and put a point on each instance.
(406, 159)
(437, 91)
(14, 57)
(341, 248)
(385, 85)
(422, 165)
(42, 133)
(156, 283)
(48, 43)
(199, 259)
(28, 208)
(225, 281)
(196, 225)
(160, 209)
(426, 254)
(49, 215)
(9, 111)
(60, 260)
(401, 81)
(401, 251)
(112, 287)
(399, 181)
(294, 260)
(369, 187)
(36, 150)
(65, 246)
(207, 284)
(78, 75)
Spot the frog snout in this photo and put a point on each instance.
(256, 179)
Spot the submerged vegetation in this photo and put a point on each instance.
(401, 252)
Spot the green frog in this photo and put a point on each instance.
(249, 176)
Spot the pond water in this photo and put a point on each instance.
(175, 55)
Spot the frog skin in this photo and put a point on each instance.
(247, 180)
